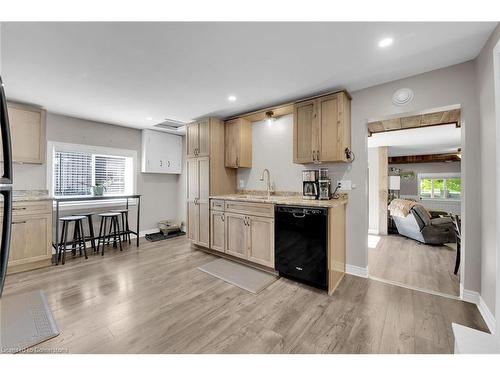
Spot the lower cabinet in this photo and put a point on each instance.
(243, 236)
(31, 236)
(198, 223)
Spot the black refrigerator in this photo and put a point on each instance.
(5, 186)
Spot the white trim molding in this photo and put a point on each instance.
(470, 296)
(475, 298)
(356, 270)
(487, 315)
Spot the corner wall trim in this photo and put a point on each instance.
(356, 271)
(488, 317)
(475, 298)
(470, 296)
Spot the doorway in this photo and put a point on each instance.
(415, 201)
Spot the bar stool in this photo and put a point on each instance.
(89, 215)
(126, 229)
(114, 230)
(78, 237)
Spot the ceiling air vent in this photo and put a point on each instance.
(170, 124)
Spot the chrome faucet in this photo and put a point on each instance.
(268, 185)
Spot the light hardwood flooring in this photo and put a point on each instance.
(403, 260)
(155, 300)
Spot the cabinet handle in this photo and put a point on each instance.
(19, 222)
(237, 161)
(168, 163)
(18, 208)
(222, 217)
(161, 163)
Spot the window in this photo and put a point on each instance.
(439, 186)
(76, 169)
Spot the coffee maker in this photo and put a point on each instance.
(310, 184)
(324, 185)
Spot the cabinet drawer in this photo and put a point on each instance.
(216, 204)
(250, 208)
(29, 208)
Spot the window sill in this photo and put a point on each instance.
(439, 200)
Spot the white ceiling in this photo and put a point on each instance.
(123, 73)
(440, 139)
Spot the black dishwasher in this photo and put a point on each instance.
(301, 242)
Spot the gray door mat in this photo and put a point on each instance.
(25, 320)
(244, 277)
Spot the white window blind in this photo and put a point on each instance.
(72, 173)
(76, 172)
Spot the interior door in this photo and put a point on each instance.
(232, 143)
(304, 132)
(204, 138)
(236, 235)
(261, 241)
(192, 140)
(330, 137)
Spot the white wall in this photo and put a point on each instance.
(443, 87)
(373, 195)
(489, 214)
(160, 192)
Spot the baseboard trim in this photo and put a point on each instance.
(470, 296)
(356, 271)
(142, 233)
(487, 315)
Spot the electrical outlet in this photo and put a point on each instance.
(345, 185)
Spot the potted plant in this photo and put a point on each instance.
(98, 189)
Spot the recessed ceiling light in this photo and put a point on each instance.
(149, 118)
(231, 98)
(386, 42)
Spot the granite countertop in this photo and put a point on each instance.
(292, 200)
(30, 195)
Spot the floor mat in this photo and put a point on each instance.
(25, 320)
(244, 277)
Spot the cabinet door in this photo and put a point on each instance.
(203, 201)
(261, 241)
(27, 126)
(236, 235)
(305, 134)
(192, 140)
(31, 239)
(232, 143)
(217, 231)
(193, 212)
(330, 129)
(204, 138)
(172, 146)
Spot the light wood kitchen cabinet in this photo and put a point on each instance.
(248, 236)
(31, 236)
(206, 175)
(261, 240)
(217, 231)
(198, 138)
(236, 235)
(238, 143)
(322, 129)
(198, 200)
(28, 133)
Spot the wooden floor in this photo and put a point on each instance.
(155, 300)
(403, 260)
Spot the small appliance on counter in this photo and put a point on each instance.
(324, 185)
(310, 188)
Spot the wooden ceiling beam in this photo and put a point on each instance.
(433, 158)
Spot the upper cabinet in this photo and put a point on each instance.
(238, 143)
(161, 152)
(28, 133)
(322, 129)
(198, 138)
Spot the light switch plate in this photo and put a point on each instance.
(345, 185)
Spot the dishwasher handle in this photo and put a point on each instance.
(300, 211)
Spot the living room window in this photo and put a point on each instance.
(79, 171)
(439, 186)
